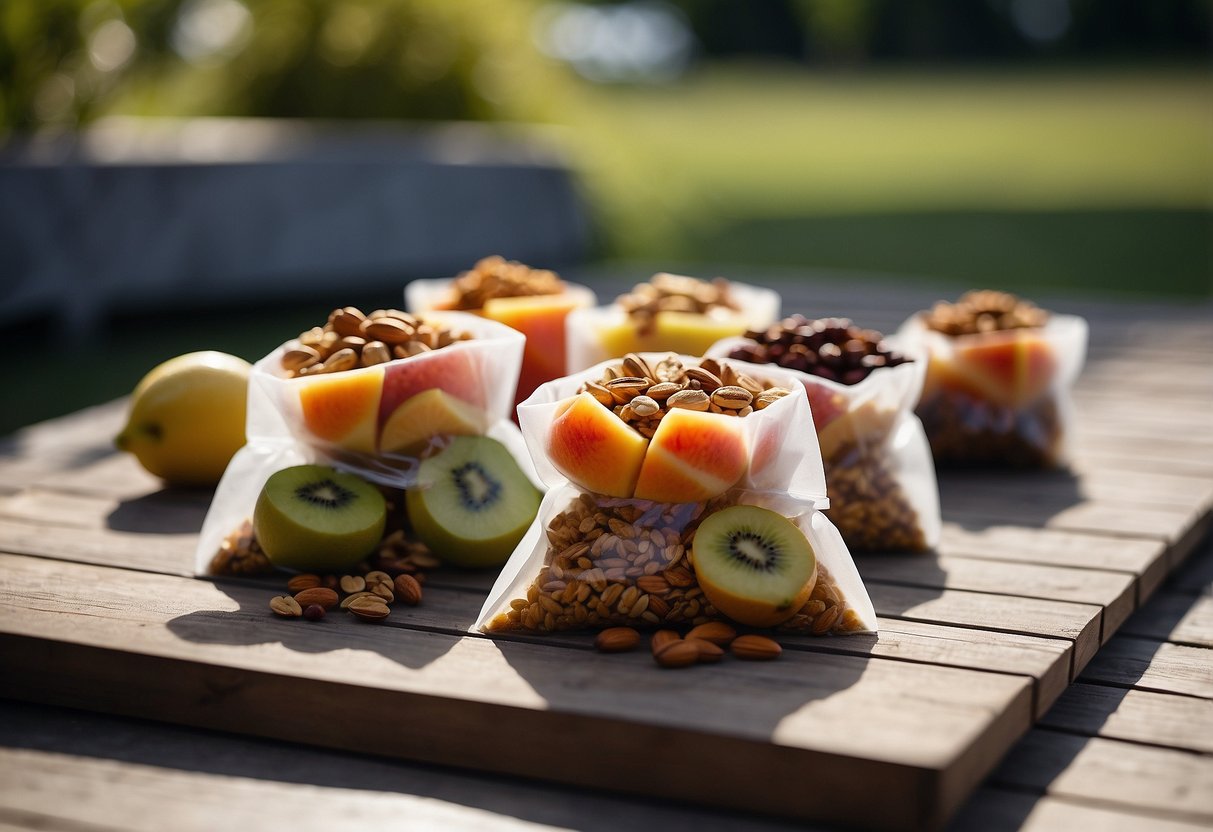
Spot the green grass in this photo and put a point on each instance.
(1095, 180)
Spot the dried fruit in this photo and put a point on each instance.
(755, 648)
(617, 639)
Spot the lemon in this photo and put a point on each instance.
(187, 417)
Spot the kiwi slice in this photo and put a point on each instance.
(754, 565)
(475, 504)
(317, 518)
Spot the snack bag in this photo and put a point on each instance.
(879, 475)
(374, 396)
(668, 313)
(675, 500)
(999, 375)
(535, 302)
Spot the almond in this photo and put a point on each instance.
(408, 590)
(756, 648)
(286, 606)
(708, 652)
(678, 654)
(679, 577)
(661, 638)
(717, 632)
(617, 639)
(653, 584)
(323, 596)
(301, 582)
(369, 608)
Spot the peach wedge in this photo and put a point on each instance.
(433, 413)
(692, 456)
(594, 448)
(341, 408)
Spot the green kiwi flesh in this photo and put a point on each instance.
(754, 565)
(316, 518)
(474, 503)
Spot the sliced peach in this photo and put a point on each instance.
(594, 448)
(682, 332)
(427, 415)
(451, 369)
(1012, 368)
(341, 408)
(692, 456)
(541, 319)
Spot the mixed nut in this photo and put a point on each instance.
(350, 339)
(367, 597)
(675, 293)
(641, 394)
(984, 310)
(496, 277)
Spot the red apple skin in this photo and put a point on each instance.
(450, 369)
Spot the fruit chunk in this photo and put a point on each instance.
(682, 332)
(692, 456)
(427, 415)
(1012, 368)
(595, 449)
(341, 408)
(316, 518)
(754, 565)
(475, 504)
(451, 369)
(187, 417)
(541, 319)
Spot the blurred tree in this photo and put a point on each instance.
(68, 61)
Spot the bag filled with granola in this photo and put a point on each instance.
(374, 398)
(999, 377)
(672, 506)
(878, 469)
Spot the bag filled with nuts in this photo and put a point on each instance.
(999, 378)
(668, 312)
(374, 396)
(676, 499)
(879, 475)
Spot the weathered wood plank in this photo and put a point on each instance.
(1161, 719)
(996, 810)
(203, 656)
(1174, 617)
(1114, 591)
(1144, 664)
(1121, 774)
(76, 768)
(1079, 623)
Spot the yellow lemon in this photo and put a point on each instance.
(187, 417)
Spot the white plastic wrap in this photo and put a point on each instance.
(351, 416)
(999, 398)
(878, 469)
(598, 333)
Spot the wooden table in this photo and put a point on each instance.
(1003, 641)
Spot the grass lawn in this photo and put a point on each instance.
(1100, 180)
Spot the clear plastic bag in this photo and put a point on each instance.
(599, 333)
(879, 476)
(376, 422)
(592, 560)
(999, 398)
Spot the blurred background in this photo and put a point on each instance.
(1030, 145)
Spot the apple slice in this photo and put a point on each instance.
(594, 448)
(693, 456)
(341, 408)
(414, 424)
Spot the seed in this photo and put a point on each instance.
(689, 400)
(679, 577)
(677, 654)
(733, 398)
(375, 352)
(300, 357)
(708, 381)
(617, 639)
(349, 599)
(825, 621)
(369, 608)
(377, 576)
(314, 612)
(388, 330)
(323, 596)
(653, 584)
(346, 321)
(661, 638)
(644, 406)
(384, 591)
(352, 583)
(627, 388)
(298, 583)
(286, 606)
(661, 392)
(755, 648)
(600, 393)
(636, 366)
(343, 359)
